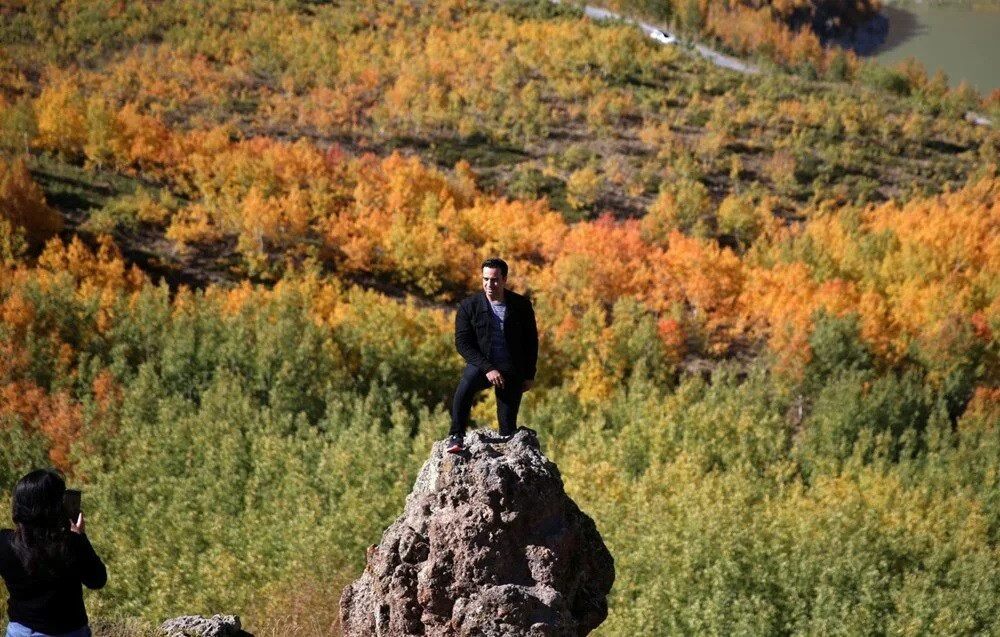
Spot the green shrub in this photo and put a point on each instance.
(882, 78)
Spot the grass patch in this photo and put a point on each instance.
(71, 187)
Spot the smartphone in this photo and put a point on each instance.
(71, 503)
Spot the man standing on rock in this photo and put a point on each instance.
(495, 333)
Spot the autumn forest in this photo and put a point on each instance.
(232, 237)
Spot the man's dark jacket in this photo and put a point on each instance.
(474, 324)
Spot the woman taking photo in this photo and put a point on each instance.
(45, 562)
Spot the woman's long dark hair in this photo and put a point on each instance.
(41, 524)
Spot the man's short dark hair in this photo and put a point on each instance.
(500, 264)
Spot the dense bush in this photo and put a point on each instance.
(235, 448)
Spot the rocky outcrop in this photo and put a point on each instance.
(488, 544)
(198, 626)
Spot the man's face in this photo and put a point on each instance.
(493, 283)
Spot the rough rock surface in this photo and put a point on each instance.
(489, 544)
(198, 626)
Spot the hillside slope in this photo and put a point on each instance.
(232, 235)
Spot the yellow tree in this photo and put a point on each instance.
(62, 120)
(23, 203)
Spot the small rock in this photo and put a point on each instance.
(198, 626)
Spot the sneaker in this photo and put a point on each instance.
(455, 444)
(507, 434)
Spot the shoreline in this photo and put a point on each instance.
(956, 39)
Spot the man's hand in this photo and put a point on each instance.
(495, 377)
(526, 385)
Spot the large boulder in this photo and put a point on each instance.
(488, 544)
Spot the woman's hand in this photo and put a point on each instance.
(78, 526)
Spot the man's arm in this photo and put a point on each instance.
(466, 342)
(530, 342)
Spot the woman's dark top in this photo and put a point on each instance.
(51, 604)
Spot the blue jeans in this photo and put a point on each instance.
(17, 630)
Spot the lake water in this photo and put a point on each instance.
(963, 42)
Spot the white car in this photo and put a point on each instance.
(662, 37)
